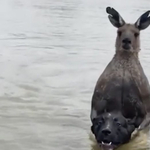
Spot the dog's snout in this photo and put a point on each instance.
(106, 131)
(126, 41)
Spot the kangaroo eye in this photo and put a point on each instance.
(136, 34)
(119, 33)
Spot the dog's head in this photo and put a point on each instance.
(111, 130)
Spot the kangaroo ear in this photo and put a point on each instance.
(114, 17)
(144, 21)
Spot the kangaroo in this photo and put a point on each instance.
(121, 99)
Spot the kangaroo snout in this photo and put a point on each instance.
(126, 43)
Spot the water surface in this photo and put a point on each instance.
(51, 55)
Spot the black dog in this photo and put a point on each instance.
(111, 130)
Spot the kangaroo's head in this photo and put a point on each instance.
(128, 35)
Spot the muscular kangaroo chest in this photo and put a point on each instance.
(118, 86)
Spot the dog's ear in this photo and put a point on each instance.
(92, 129)
(136, 121)
(130, 125)
(131, 121)
(130, 128)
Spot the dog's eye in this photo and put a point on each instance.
(99, 123)
(119, 124)
(115, 119)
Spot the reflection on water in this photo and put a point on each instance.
(51, 55)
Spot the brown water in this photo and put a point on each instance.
(51, 55)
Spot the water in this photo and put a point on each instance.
(51, 55)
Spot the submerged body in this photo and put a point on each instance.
(121, 99)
